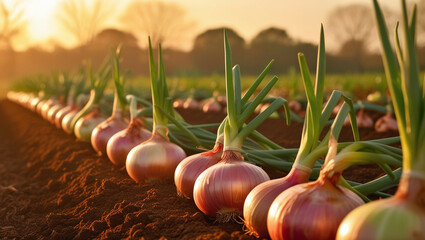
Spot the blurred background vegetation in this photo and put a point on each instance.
(352, 28)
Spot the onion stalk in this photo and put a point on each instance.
(221, 189)
(156, 158)
(120, 144)
(401, 216)
(261, 197)
(90, 116)
(118, 120)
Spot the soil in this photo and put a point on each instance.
(54, 187)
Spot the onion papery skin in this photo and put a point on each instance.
(386, 123)
(60, 115)
(259, 200)
(191, 103)
(155, 158)
(40, 106)
(310, 210)
(51, 114)
(120, 144)
(191, 167)
(211, 106)
(67, 119)
(221, 189)
(34, 103)
(84, 126)
(398, 217)
(364, 120)
(104, 131)
(46, 107)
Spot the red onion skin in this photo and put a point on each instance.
(311, 210)
(46, 107)
(60, 114)
(178, 103)
(211, 106)
(259, 200)
(120, 144)
(386, 123)
(51, 114)
(191, 167)
(190, 103)
(156, 158)
(221, 189)
(34, 103)
(105, 130)
(363, 120)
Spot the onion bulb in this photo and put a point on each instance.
(120, 144)
(258, 201)
(221, 189)
(211, 105)
(311, 210)
(157, 158)
(67, 120)
(46, 106)
(105, 130)
(51, 114)
(60, 115)
(386, 123)
(178, 103)
(191, 167)
(85, 125)
(398, 217)
(190, 103)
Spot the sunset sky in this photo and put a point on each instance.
(301, 18)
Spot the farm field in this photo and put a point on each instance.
(53, 186)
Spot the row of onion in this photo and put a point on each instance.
(227, 181)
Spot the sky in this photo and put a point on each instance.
(301, 19)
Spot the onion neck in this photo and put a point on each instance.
(412, 188)
(231, 156)
(160, 134)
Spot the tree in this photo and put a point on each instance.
(355, 23)
(351, 22)
(272, 35)
(12, 24)
(208, 49)
(163, 22)
(83, 20)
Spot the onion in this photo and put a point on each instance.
(191, 167)
(258, 201)
(295, 106)
(221, 189)
(191, 103)
(120, 144)
(362, 119)
(211, 106)
(178, 103)
(398, 217)
(157, 158)
(51, 114)
(45, 107)
(105, 130)
(33, 103)
(67, 120)
(61, 114)
(85, 125)
(311, 210)
(386, 123)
